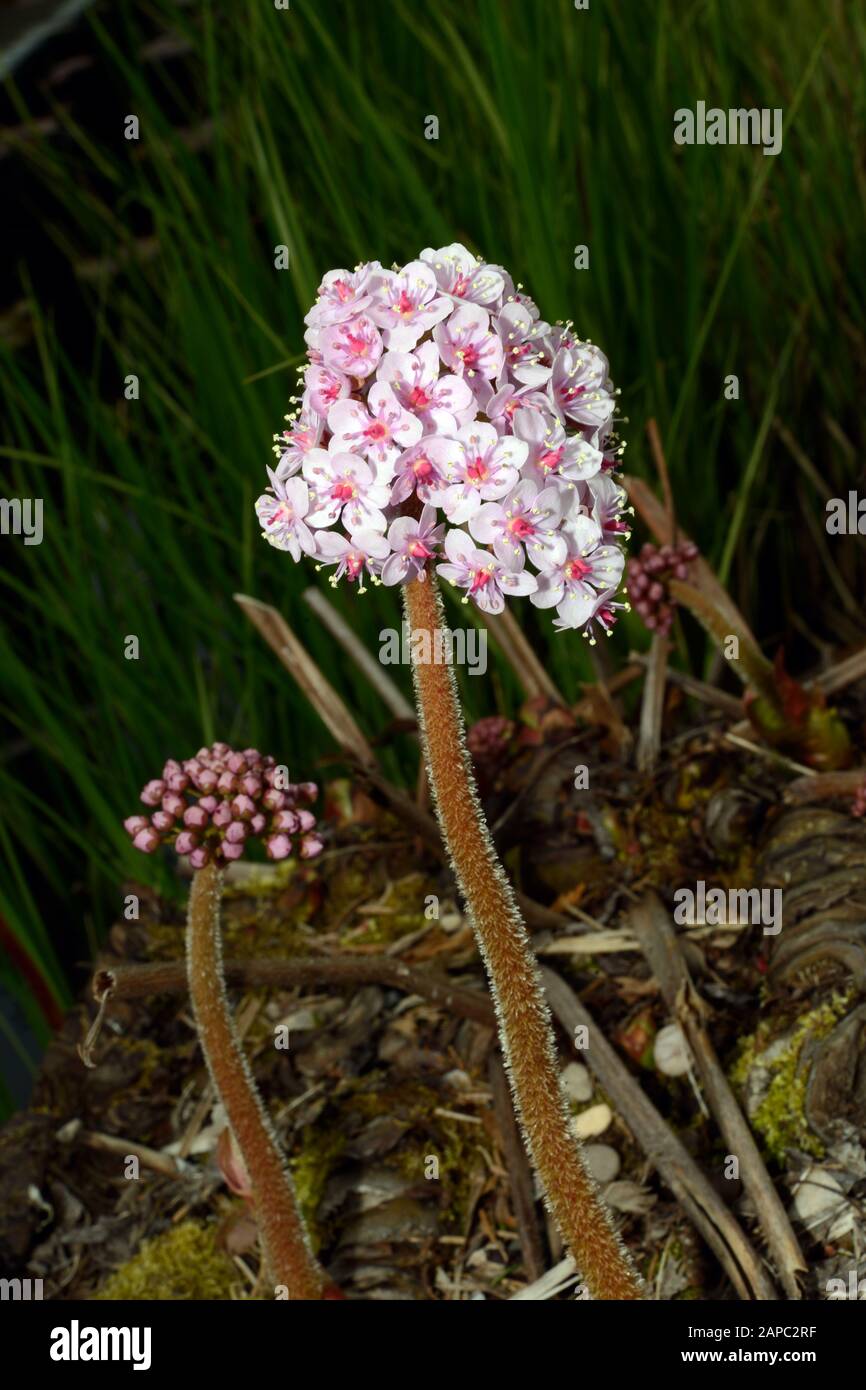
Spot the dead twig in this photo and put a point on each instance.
(518, 652)
(320, 693)
(365, 662)
(652, 705)
(707, 694)
(169, 977)
(519, 1172)
(661, 947)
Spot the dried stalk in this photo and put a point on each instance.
(321, 695)
(521, 657)
(661, 948)
(355, 648)
(652, 705)
(524, 1020)
(169, 977)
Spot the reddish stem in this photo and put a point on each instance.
(525, 1026)
(288, 1256)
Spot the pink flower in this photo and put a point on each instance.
(485, 470)
(342, 295)
(521, 335)
(526, 520)
(423, 469)
(282, 518)
(554, 456)
(407, 304)
(364, 550)
(609, 506)
(576, 386)
(381, 430)
(323, 386)
(415, 380)
(353, 347)
(573, 586)
(413, 543)
(468, 346)
(460, 274)
(484, 578)
(604, 615)
(346, 487)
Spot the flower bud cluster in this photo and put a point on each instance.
(210, 808)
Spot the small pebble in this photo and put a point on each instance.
(576, 1082)
(593, 1121)
(603, 1161)
(671, 1051)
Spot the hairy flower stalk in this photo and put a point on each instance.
(446, 429)
(524, 1020)
(209, 809)
(288, 1256)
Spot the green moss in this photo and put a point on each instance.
(321, 1149)
(182, 1263)
(780, 1117)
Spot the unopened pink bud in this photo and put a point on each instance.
(308, 790)
(253, 756)
(226, 782)
(199, 857)
(288, 821)
(251, 784)
(206, 780)
(203, 754)
(274, 800)
(162, 821)
(236, 832)
(231, 849)
(220, 750)
(278, 847)
(195, 818)
(311, 845)
(152, 793)
(258, 823)
(133, 824)
(236, 762)
(243, 807)
(177, 782)
(186, 842)
(307, 820)
(222, 815)
(146, 840)
(209, 804)
(174, 804)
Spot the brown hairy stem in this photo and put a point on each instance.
(525, 1027)
(287, 1253)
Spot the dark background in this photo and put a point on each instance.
(261, 127)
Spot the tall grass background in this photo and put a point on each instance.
(306, 128)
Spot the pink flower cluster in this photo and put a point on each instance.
(443, 422)
(212, 806)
